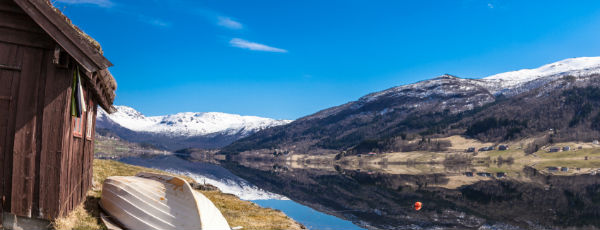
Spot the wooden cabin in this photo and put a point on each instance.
(46, 153)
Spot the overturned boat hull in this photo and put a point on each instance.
(154, 201)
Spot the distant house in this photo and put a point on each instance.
(564, 169)
(471, 149)
(566, 148)
(503, 147)
(468, 174)
(491, 148)
(554, 149)
(552, 169)
(372, 154)
(595, 142)
(500, 174)
(483, 149)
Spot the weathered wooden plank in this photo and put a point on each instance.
(10, 6)
(76, 173)
(66, 146)
(91, 147)
(25, 146)
(10, 131)
(7, 67)
(6, 80)
(5, 83)
(19, 22)
(8, 54)
(50, 157)
(42, 78)
(87, 145)
(25, 38)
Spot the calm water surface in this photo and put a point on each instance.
(330, 196)
(230, 183)
(309, 217)
(382, 197)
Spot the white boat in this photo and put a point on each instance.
(154, 201)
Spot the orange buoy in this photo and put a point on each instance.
(418, 205)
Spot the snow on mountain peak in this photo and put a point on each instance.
(481, 90)
(190, 123)
(572, 66)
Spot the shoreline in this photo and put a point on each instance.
(585, 160)
(237, 212)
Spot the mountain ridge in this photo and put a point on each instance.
(181, 130)
(442, 105)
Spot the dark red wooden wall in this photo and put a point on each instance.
(45, 171)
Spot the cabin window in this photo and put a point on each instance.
(77, 126)
(88, 128)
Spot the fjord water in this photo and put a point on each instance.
(457, 197)
(230, 183)
(310, 218)
(330, 196)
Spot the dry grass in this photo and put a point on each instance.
(461, 143)
(236, 211)
(80, 218)
(248, 214)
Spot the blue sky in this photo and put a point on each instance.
(288, 59)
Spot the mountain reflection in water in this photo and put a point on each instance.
(457, 198)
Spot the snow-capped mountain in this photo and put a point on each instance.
(572, 66)
(515, 82)
(181, 130)
(443, 104)
(190, 123)
(460, 94)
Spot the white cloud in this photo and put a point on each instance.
(229, 23)
(219, 19)
(100, 3)
(490, 5)
(154, 21)
(241, 43)
(158, 22)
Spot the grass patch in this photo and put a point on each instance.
(496, 170)
(579, 153)
(568, 163)
(236, 211)
(504, 153)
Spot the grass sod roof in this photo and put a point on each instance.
(86, 51)
(82, 34)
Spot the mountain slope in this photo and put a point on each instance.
(514, 104)
(181, 130)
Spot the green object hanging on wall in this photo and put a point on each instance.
(78, 106)
(73, 88)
